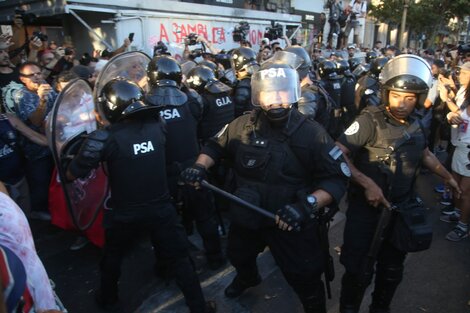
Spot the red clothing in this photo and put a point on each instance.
(61, 216)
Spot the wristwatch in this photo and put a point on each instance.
(313, 204)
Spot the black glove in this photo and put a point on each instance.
(294, 215)
(194, 174)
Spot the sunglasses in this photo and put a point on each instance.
(31, 75)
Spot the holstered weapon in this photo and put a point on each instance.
(324, 219)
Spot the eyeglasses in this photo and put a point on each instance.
(31, 75)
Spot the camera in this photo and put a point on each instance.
(192, 38)
(274, 32)
(160, 49)
(196, 53)
(241, 31)
(41, 36)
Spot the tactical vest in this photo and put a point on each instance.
(393, 169)
(242, 96)
(219, 110)
(333, 88)
(367, 93)
(137, 167)
(323, 104)
(348, 85)
(181, 126)
(266, 166)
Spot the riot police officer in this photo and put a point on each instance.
(314, 100)
(286, 164)
(387, 148)
(133, 147)
(367, 91)
(218, 107)
(244, 64)
(182, 113)
(331, 82)
(348, 85)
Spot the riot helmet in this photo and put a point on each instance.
(199, 76)
(371, 55)
(342, 67)
(121, 98)
(353, 63)
(306, 64)
(275, 88)
(210, 65)
(224, 59)
(377, 65)
(164, 70)
(244, 60)
(406, 73)
(327, 70)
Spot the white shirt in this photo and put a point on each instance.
(460, 135)
(15, 234)
(359, 8)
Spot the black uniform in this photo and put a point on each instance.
(272, 167)
(333, 88)
(348, 85)
(218, 110)
(182, 148)
(369, 138)
(315, 104)
(367, 93)
(134, 152)
(242, 96)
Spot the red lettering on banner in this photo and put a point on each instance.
(163, 34)
(253, 37)
(192, 29)
(218, 35)
(260, 36)
(202, 30)
(176, 32)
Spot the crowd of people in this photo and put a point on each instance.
(289, 129)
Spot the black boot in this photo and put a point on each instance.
(313, 298)
(238, 286)
(387, 279)
(351, 294)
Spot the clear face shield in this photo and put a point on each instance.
(285, 57)
(271, 88)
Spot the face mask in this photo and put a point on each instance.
(278, 116)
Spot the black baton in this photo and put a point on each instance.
(237, 200)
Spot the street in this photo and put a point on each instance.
(435, 281)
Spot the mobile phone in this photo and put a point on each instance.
(131, 37)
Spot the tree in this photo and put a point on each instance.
(425, 16)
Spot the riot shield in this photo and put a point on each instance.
(129, 65)
(73, 116)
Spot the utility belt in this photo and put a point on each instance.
(411, 230)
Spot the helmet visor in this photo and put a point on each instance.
(407, 64)
(275, 86)
(285, 57)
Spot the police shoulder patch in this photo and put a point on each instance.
(345, 169)
(354, 128)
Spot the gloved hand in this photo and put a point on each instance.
(292, 216)
(194, 175)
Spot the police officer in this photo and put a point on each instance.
(331, 82)
(313, 101)
(381, 177)
(133, 147)
(218, 107)
(367, 90)
(348, 85)
(284, 163)
(245, 65)
(182, 113)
